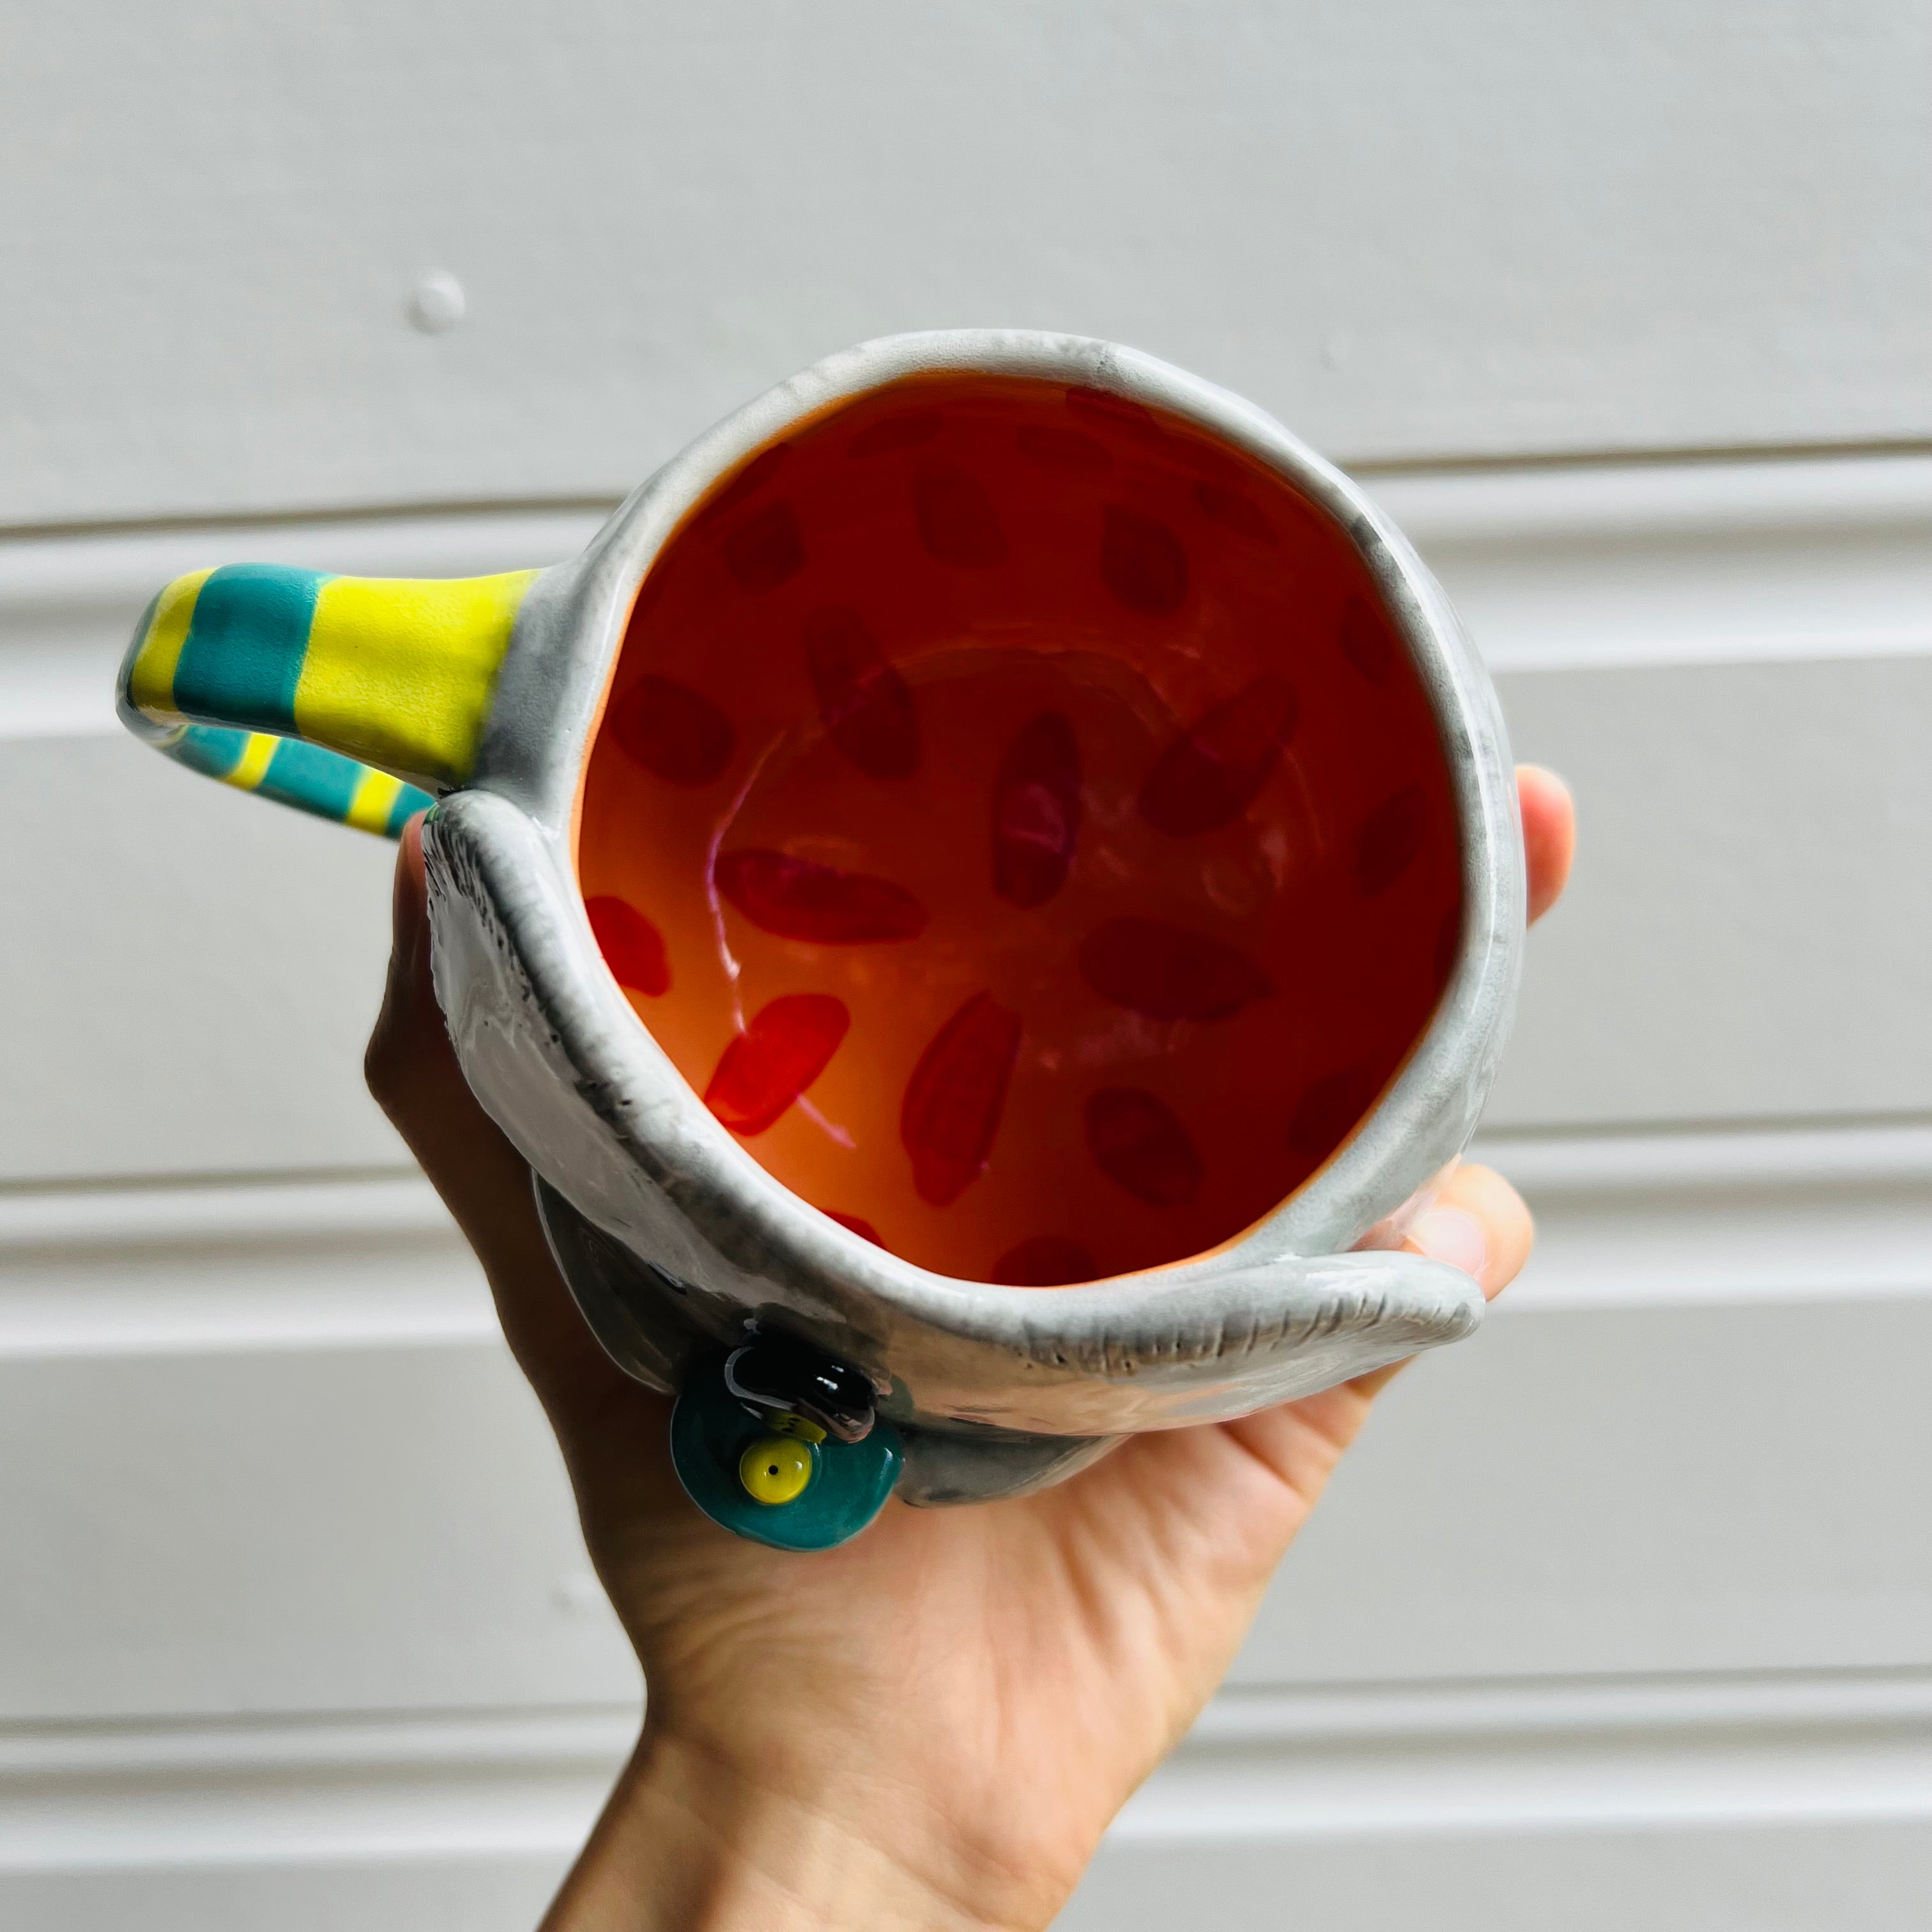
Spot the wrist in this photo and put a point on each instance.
(690, 1842)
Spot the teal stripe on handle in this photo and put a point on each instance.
(209, 749)
(242, 658)
(322, 782)
(409, 802)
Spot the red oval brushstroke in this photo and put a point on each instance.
(1065, 449)
(1234, 511)
(1167, 973)
(866, 706)
(905, 432)
(1103, 405)
(1211, 773)
(1329, 1110)
(1047, 1260)
(785, 1049)
(1365, 641)
(957, 522)
(1389, 838)
(797, 898)
(633, 948)
(675, 732)
(953, 1101)
(863, 1229)
(753, 478)
(1142, 562)
(1036, 811)
(765, 549)
(1138, 1145)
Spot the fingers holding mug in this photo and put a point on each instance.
(1548, 834)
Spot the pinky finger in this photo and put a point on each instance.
(1477, 1223)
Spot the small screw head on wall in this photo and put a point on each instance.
(437, 303)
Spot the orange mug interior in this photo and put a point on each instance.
(1016, 815)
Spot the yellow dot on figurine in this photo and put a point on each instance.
(776, 1469)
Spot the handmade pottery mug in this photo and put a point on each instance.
(983, 896)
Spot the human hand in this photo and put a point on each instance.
(932, 1726)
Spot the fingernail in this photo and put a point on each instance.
(1448, 1235)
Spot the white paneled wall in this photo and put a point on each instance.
(297, 1611)
(1621, 1616)
(1410, 227)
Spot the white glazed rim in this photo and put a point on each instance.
(552, 698)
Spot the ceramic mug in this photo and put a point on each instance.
(983, 896)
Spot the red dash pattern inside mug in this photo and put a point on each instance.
(1015, 815)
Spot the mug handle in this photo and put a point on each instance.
(355, 698)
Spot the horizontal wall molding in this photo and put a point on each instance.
(1553, 567)
(1503, 1756)
(368, 1261)
(281, 1791)
(1695, 1160)
(1748, 1216)
(1714, 1217)
(1498, 1756)
(1627, 566)
(142, 1217)
(1694, 498)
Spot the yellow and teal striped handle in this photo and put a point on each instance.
(355, 698)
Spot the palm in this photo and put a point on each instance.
(995, 1641)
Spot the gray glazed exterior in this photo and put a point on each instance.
(674, 1239)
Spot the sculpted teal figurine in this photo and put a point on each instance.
(984, 896)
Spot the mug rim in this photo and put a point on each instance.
(549, 706)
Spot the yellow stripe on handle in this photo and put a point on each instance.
(373, 806)
(399, 671)
(150, 676)
(252, 767)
